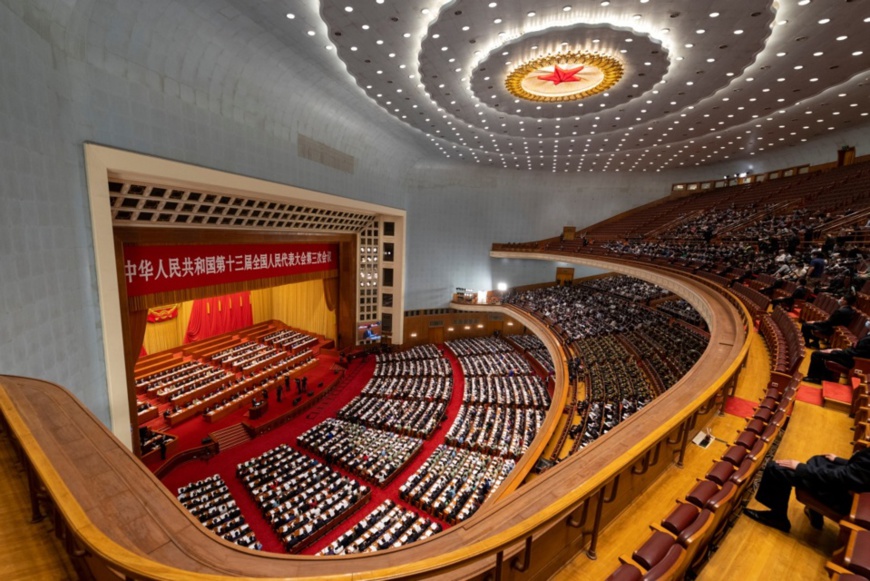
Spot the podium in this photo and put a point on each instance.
(258, 410)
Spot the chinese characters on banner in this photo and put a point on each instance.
(154, 269)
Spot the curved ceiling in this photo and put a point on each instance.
(702, 82)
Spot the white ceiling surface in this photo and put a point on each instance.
(704, 83)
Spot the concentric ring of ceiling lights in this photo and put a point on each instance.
(564, 77)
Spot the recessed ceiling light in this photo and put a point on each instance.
(781, 53)
(497, 21)
(858, 53)
(348, 8)
(700, 31)
(804, 2)
(530, 14)
(824, 20)
(291, 16)
(425, 11)
(311, 33)
(365, 27)
(738, 31)
(714, 14)
(844, 37)
(493, 4)
(566, 8)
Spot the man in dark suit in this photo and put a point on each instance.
(828, 478)
(845, 357)
(842, 316)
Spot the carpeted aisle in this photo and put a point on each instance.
(737, 406)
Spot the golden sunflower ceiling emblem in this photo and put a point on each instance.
(564, 77)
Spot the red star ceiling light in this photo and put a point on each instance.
(556, 78)
(562, 75)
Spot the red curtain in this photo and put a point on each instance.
(218, 315)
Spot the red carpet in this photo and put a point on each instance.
(356, 378)
(809, 394)
(392, 490)
(742, 408)
(225, 462)
(837, 392)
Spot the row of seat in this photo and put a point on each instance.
(784, 343)
(682, 538)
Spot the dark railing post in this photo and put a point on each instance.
(499, 562)
(527, 557)
(599, 507)
(35, 514)
(690, 422)
(574, 523)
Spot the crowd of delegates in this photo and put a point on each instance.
(155, 441)
(214, 398)
(579, 311)
(453, 483)
(682, 310)
(417, 418)
(428, 351)
(616, 387)
(300, 497)
(375, 455)
(501, 431)
(211, 380)
(626, 352)
(210, 501)
(417, 367)
(527, 391)
(168, 377)
(388, 525)
(706, 223)
(535, 347)
(288, 339)
(835, 270)
(503, 406)
(629, 287)
(410, 388)
(191, 377)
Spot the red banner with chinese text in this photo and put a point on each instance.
(154, 269)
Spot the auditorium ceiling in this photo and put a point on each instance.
(580, 85)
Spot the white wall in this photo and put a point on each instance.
(195, 81)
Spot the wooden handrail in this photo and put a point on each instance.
(55, 429)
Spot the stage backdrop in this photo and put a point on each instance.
(304, 305)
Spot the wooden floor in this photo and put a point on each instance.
(29, 551)
(750, 551)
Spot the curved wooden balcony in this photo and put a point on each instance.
(117, 518)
